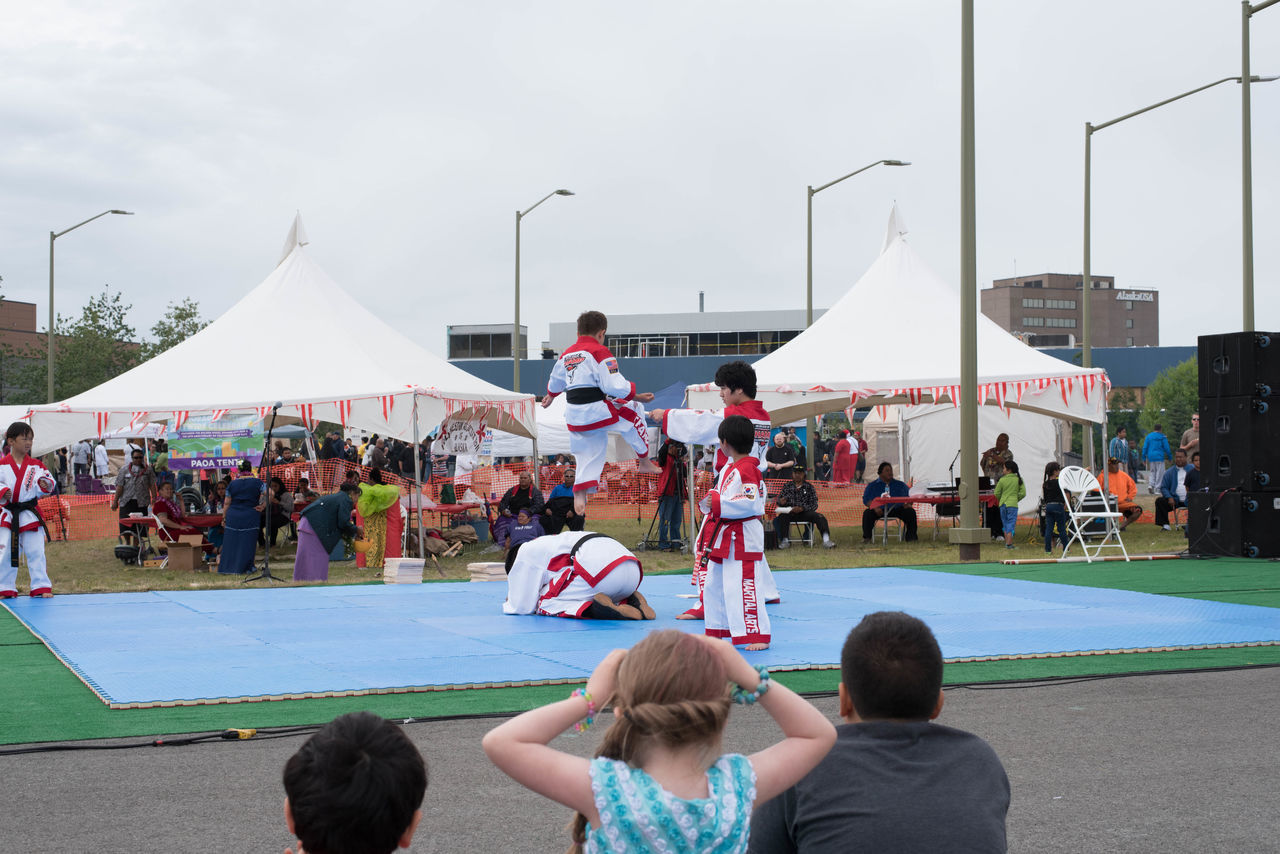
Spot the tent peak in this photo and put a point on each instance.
(896, 230)
(297, 237)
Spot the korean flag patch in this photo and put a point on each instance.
(749, 491)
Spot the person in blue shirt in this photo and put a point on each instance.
(1155, 453)
(896, 489)
(558, 513)
(1174, 486)
(1118, 449)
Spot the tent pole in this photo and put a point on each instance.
(689, 535)
(537, 477)
(417, 479)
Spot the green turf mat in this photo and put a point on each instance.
(41, 700)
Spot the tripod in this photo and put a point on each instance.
(264, 571)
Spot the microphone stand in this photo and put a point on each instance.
(952, 468)
(264, 571)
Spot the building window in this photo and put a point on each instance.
(1128, 342)
(1035, 283)
(1033, 321)
(1033, 302)
(1128, 305)
(1128, 323)
(1061, 322)
(1069, 304)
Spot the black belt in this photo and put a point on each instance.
(587, 394)
(580, 543)
(15, 511)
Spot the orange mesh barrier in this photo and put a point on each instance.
(624, 494)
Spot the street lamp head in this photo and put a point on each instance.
(896, 162)
(564, 192)
(1257, 79)
(125, 213)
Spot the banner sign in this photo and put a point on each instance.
(203, 443)
(462, 436)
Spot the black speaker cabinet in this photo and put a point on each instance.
(1239, 364)
(1234, 524)
(1239, 448)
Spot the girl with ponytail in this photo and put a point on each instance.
(659, 781)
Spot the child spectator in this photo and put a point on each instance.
(1055, 507)
(1009, 491)
(356, 785)
(734, 507)
(598, 398)
(658, 782)
(23, 482)
(895, 781)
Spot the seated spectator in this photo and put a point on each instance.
(1126, 492)
(305, 493)
(781, 458)
(822, 471)
(1174, 486)
(882, 485)
(523, 494)
(279, 510)
(798, 502)
(526, 528)
(356, 785)
(894, 781)
(558, 512)
(214, 507)
(168, 512)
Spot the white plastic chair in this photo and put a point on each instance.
(1082, 485)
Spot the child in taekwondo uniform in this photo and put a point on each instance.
(599, 399)
(23, 482)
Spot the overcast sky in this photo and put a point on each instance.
(409, 133)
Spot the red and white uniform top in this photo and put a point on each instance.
(702, 427)
(543, 570)
(587, 374)
(23, 483)
(734, 510)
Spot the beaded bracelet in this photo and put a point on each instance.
(585, 723)
(749, 697)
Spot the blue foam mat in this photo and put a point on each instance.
(160, 648)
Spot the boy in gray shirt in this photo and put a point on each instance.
(894, 782)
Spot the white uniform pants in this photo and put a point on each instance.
(590, 446)
(32, 545)
(618, 584)
(733, 602)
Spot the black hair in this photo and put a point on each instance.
(245, 465)
(738, 433)
(591, 322)
(737, 376)
(880, 468)
(1050, 469)
(16, 429)
(375, 476)
(348, 486)
(511, 556)
(354, 786)
(1012, 468)
(891, 666)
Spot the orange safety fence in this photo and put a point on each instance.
(624, 493)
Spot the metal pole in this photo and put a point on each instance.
(515, 327)
(52, 335)
(417, 480)
(810, 424)
(688, 531)
(1086, 292)
(969, 534)
(1246, 159)
(537, 469)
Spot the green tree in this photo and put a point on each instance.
(181, 320)
(1171, 398)
(93, 348)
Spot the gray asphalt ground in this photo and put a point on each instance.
(1169, 763)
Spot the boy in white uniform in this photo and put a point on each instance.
(575, 574)
(23, 481)
(734, 606)
(737, 382)
(599, 399)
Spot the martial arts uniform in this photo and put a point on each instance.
(599, 399)
(734, 605)
(23, 484)
(551, 578)
(702, 427)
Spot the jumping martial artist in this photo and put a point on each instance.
(575, 574)
(735, 551)
(737, 382)
(599, 399)
(23, 482)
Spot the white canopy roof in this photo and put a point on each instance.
(895, 338)
(359, 371)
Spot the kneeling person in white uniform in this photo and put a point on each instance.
(576, 574)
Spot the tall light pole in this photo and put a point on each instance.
(54, 235)
(810, 424)
(516, 353)
(1246, 157)
(1086, 284)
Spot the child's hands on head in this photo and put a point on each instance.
(603, 679)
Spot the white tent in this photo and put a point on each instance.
(895, 338)
(928, 436)
(358, 372)
(553, 437)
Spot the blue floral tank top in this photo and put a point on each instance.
(637, 814)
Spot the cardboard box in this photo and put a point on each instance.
(187, 553)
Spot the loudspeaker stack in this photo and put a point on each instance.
(1239, 514)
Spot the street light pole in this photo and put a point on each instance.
(54, 235)
(516, 353)
(1086, 285)
(1246, 158)
(810, 423)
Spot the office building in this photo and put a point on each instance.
(1045, 310)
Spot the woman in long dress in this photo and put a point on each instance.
(375, 498)
(324, 523)
(240, 522)
(845, 463)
